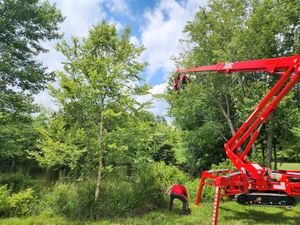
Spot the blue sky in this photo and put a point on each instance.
(156, 24)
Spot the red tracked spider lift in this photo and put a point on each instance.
(253, 184)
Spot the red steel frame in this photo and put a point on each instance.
(251, 177)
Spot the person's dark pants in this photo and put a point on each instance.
(180, 197)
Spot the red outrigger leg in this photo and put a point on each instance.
(216, 206)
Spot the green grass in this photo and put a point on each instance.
(230, 213)
(289, 166)
(37, 220)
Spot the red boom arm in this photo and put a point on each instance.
(288, 67)
(253, 184)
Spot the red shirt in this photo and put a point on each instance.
(176, 83)
(179, 190)
(184, 76)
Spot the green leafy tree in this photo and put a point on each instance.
(141, 139)
(23, 26)
(205, 110)
(96, 87)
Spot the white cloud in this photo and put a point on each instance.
(44, 99)
(163, 30)
(80, 16)
(159, 106)
(159, 88)
(117, 24)
(156, 89)
(134, 40)
(118, 6)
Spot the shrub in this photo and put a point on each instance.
(226, 164)
(17, 204)
(119, 196)
(3, 200)
(129, 195)
(76, 201)
(59, 201)
(168, 175)
(21, 203)
(148, 189)
(17, 182)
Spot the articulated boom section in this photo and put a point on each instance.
(253, 184)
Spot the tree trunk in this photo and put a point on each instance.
(263, 152)
(243, 89)
(227, 115)
(275, 156)
(269, 143)
(253, 148)
(100, 164)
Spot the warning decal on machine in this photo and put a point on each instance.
(279, 187)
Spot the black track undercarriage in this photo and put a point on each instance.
(266, 199)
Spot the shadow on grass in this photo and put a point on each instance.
(252, 216)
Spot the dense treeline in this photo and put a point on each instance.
(23, 25)
(102, 153)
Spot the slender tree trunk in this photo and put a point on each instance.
(269, 143)
(243, 89)
(253, 148)
(275, 156)
(227, 116)
(263, 152)
(100, 164)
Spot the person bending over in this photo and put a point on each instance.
(179, 191)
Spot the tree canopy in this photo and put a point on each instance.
(24, 25)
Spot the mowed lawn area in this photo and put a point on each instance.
(230, 213)
(289, 166)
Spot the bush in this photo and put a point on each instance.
(22, 203)
(17, 204)
(62, 200)
(147, 189)
(168, 175)
(4, 207)
(76, 201)
(17, 182)
(226, 164)
(118, 196)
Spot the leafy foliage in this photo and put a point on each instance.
(141, 192)
(17, 182)
(23, 26)
(17, 204)
(94, 97)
